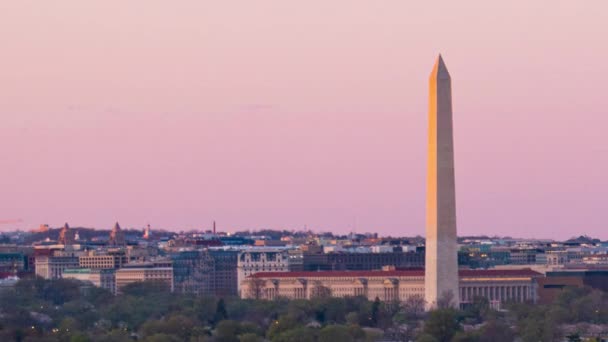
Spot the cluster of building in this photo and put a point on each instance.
(118, 261)
(306, 265)
(578, 252)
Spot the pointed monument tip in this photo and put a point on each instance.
(440, 71)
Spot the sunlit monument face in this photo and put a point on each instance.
(441, 275)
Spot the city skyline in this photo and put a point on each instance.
(179, 117)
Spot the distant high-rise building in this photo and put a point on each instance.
(441, 257)
(193, 272)
(225, 272)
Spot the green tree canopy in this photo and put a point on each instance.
(442, 324)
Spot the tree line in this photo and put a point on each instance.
(67, 310)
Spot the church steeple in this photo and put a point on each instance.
(66, 235)
(117, 236)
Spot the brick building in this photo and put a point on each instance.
(554, 282)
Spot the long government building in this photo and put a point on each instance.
(390, 284)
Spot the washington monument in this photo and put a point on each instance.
(441, 270)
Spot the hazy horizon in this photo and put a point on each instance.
(281, 115)
(254, 231)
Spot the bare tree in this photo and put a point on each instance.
(413, 307)
(320, 291)
(255, 287)
(446, 300)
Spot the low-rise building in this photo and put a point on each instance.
(499, 286)
(390, 284)
(104, 278)
(8, 253)
(527, 256)
(141, 254)
(557, 257)
(596, 259)
(554, 282)
(261, 259)
(12, 263)
(361, 261)
(103, 260)
(138, 273)
(52, 267)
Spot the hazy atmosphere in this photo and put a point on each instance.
(263, 114)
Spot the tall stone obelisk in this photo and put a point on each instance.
(441, 269)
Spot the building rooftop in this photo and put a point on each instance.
(578, 273)
(86, 271)
(125, 269)
(525, 272)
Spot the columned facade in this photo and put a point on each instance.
(396, 285)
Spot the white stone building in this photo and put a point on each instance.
(104, 278)
(128, 275)
(264, 259)
(52, 267)
(497, 286)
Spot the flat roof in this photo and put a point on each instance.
(87, 270)
(577, 273)
(526, 272)
(145, 269)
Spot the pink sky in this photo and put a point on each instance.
(282, 114)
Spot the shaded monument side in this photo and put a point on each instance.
(441, 275)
